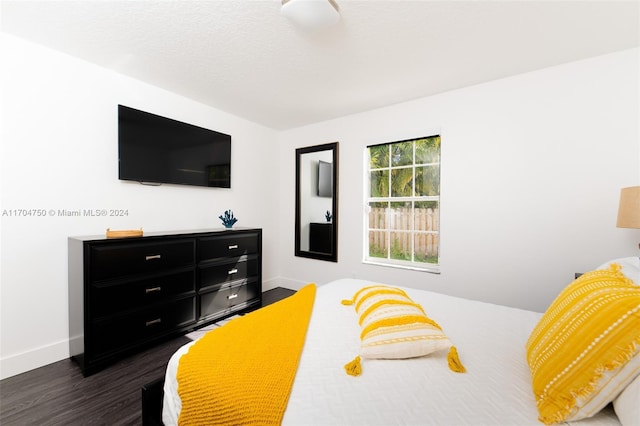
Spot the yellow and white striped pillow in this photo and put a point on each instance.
(586, 348)
(394, 326)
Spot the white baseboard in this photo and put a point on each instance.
(32, 359)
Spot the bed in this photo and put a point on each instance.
(496, 388)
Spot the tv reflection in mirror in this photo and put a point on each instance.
(324, 179)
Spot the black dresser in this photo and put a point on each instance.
(128, 294)
(320, 237)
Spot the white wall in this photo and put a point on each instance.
(59, 151)
(532, 167)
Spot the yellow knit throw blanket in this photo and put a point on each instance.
(242, 373)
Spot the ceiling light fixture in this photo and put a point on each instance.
(311, 15)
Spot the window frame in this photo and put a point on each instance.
(390, 200)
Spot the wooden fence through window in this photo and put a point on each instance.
(398, 221)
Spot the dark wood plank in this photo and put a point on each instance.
(275, 294)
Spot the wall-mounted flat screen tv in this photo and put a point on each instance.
(155, 150)
(325, 174)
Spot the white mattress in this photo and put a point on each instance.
(496, 390)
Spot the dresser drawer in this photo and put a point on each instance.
(226, 272)
(218, 302)
(231, 245)
(108, 298)
(119, 260)
(138, 327)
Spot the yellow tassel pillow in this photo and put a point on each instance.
(394, 326)
(586, 348)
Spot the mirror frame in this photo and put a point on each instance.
(333, 256)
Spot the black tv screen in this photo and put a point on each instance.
(324, 179)
(154, 149)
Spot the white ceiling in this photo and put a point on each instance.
(243, 57)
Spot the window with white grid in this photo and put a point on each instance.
(403, 204)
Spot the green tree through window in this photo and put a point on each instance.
(403, 221)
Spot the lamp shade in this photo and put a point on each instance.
(311, 15)
(629, 209)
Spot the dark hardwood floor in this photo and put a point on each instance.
(58, 394)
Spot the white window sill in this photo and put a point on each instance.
(432, 269)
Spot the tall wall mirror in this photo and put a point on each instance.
(317, 202)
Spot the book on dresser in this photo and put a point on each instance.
(130, 293)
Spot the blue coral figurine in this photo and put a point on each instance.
(228, 220)
(328, 216)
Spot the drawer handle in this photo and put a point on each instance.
(152, 322)
(233, 296)
(233, 271)
(152, 289)
(235, 246)
(153, 256)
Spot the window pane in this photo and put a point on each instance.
(378, 156)
(378, 244)
(400, 216)
(402, 182)
(402, 154)
(401, 246)
(426, 216)
(426, 247)
(380, 183)
(428, 150)
(427, 180)
(378, 216)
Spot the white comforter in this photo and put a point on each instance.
(496, 390)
